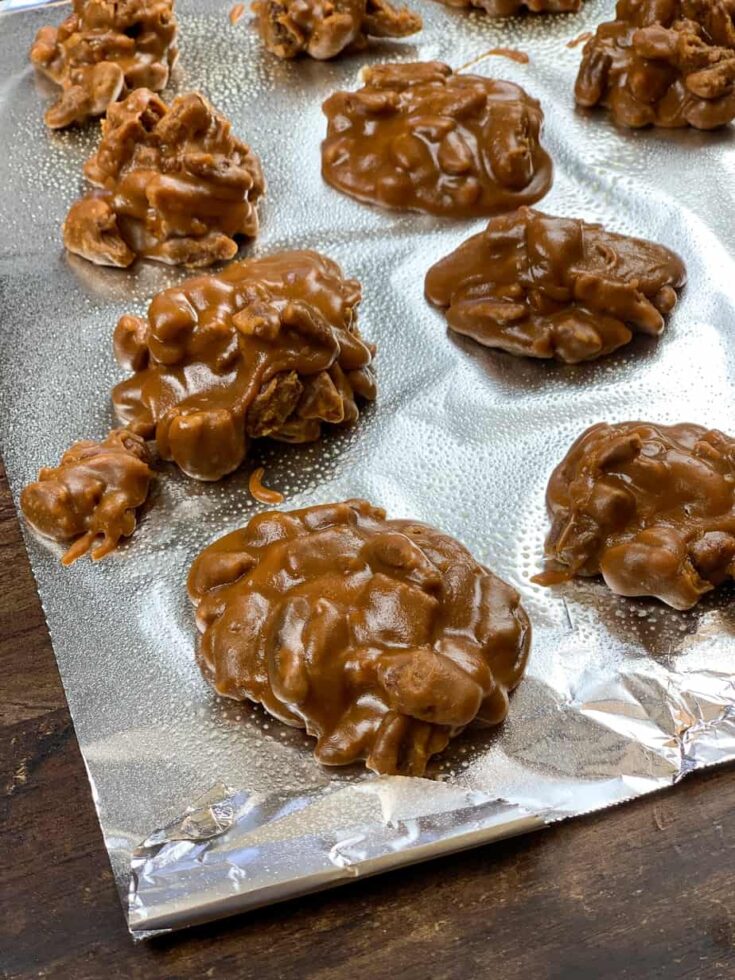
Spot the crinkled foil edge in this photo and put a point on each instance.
(198, 867)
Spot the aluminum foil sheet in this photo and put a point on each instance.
(622, 697)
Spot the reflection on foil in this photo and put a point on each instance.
(621, 697)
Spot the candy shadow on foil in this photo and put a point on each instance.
(686, 136)
(307, 73)
(234, 716)
(144, 278)
(45, 89)
(527, 374)
(662, 632)
(324, 458)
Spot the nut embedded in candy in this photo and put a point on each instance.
(93, 493)
(664, 63)
(649, 507)
(323, 29)
(382, 638)
(173, 183)
(540, 286)
(509, 8)
(268, 347)
(417, 137)
(104, 50)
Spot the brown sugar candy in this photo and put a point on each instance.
(663, 63)
(420, 138)
(323, 29)
(540, 286)
(508, 8)
(649, 507)
(104, 50)
(268, 347)
(92, 494)
(173, 184)
(382, 638)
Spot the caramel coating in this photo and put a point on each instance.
(174, 185)
(268, 347)
(104, 50)
(664, 63)
(323, 29)
(508, 8)
(382, 638)
(93, 493)
(418, 137)
(649, 507)
(540, 286)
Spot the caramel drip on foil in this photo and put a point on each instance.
(263, 495)
(580, 39)
(512, 54)
(552, 576)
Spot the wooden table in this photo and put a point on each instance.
(645, 890)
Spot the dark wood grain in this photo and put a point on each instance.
(645, 890)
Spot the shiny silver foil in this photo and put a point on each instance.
(621, 698)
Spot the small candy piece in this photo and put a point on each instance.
(382, 638)
(92, 494)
